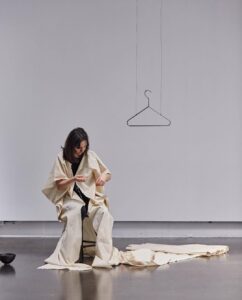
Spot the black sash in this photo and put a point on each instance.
(77, 190)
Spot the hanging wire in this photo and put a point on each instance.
(161, 83)
(136, 75)
(137, 58)
(161, 47)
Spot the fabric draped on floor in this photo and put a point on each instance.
(145, 255)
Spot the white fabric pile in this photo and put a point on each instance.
(149, 255)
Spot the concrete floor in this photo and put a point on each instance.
(215, 278)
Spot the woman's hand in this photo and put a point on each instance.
(101, 180)
(64, 183)
(80, 178)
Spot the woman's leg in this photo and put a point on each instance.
(102, 222)
(68, 247)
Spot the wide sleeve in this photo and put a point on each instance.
(98, 167)
(103, 168)
(50, 189)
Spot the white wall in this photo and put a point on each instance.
(73, 63)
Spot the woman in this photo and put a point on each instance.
(75, 185)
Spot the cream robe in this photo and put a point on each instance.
(98, 226)
(91, 166)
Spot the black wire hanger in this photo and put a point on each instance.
(148, 107)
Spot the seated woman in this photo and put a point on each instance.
(76, 182)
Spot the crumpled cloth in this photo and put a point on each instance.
(200, 249)
(73, 267)
(147, 254)
(159, 254)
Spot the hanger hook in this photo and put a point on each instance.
(146, 96)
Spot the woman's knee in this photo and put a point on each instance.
(73, 210)
(103, 212)
(102, 215)
(103, 209)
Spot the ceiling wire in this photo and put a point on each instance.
(137, 56)
(137, 86)
(161, 46)
(136, 91)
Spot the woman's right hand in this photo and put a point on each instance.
(64, 183)
(80, 178)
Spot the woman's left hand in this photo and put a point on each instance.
(101, 180)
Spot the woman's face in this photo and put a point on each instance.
(80, 149)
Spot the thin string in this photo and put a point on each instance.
(136, 92)
(161, 83)
(136, 50)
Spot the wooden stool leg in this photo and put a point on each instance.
(81, 255)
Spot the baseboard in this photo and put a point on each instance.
(129, 229)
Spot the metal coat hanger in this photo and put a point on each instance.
(147, 107)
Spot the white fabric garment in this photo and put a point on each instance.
(74, 267)
(91, 167)
(97, 227)
(159, 254)
(146, 255)
(206, 250)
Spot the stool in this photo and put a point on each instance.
(85, 243)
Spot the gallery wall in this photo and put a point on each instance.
(67, 64)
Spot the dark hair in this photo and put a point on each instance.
(74, 138)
